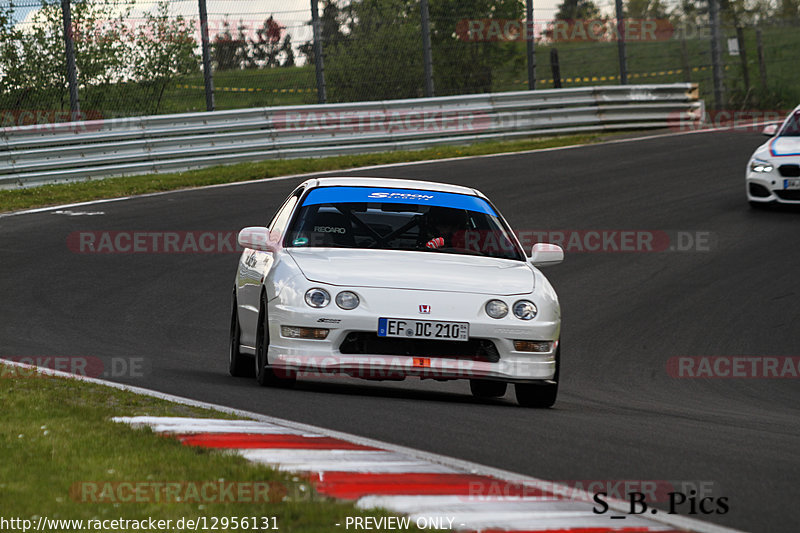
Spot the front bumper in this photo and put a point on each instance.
(769, 188)
(515, 369)
(323, 358)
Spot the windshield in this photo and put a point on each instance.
(400, 219)
(792, 126)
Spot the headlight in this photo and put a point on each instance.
(496, 308)
(317, 297)
(757, 165)
(347, 300)
(525, 310)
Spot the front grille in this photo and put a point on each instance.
(759, 191)
(370, 343)
(793, 194)
(789, 171)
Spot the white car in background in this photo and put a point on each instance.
(773, 172)
(385, 279)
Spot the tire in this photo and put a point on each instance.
(265, 375)
(484, 388)
(539, 395)
(761, 206)
(239, 365)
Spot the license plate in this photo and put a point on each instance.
(791, 184)
(423, 329)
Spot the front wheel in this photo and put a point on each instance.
(265, 374)
(539, 395)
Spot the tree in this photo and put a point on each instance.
(577, 9)
(288, 52)
(645, 9)
(331, 24)
(33, 61)
(164, 49)
(381, 57)
(468, 67)
(226, 50)
(110, 55)
(379, 53)
(266, 47)
(788, 9)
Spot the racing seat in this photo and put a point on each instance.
(331, 228)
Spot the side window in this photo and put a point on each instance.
(282, 217)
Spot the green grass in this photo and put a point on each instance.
(237, 89)
(56, 433)
(11, 200)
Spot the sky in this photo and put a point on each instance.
(293, 14)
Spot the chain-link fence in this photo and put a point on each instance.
(141, 57)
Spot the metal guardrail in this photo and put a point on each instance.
(52, 153)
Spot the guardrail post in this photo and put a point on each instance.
(743, 58)
(322, 93)
(529, 35)
(687, 69)
(621, 50)
(716, 56)
(72, 75)
(762, 66)
(426, 48)
(208, 76)
(555, 67)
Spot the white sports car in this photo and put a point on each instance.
(385, 279)
(773, 172)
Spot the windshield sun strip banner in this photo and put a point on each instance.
(341, 195)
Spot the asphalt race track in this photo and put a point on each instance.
(620, 414)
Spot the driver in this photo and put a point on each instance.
(444, 226)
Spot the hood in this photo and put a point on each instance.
(780, 146)
(395, 269)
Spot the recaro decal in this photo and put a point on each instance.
(329, 229)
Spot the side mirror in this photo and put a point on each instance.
(544, 254)
(258, 238)
(770, 130)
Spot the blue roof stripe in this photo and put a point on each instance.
(340, 195)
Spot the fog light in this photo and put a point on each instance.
(293, 332)
(533, 346)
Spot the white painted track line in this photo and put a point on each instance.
(658, 522)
